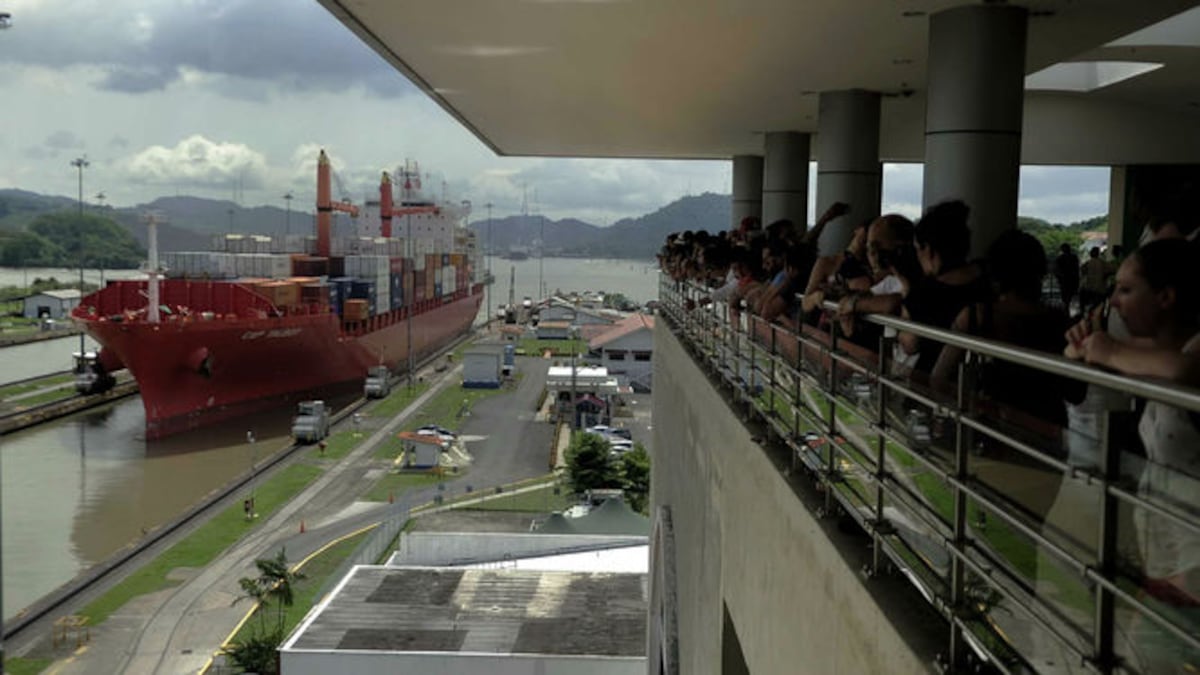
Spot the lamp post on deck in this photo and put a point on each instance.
(287, 226)
(81, 163)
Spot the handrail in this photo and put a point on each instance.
(770, 365)
(1158, 390)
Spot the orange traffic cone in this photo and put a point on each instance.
(302, 526)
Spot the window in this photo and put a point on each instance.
(616, 356)
(641, 356)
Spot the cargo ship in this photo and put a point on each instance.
(260, 322)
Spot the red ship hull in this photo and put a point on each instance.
(232, 353)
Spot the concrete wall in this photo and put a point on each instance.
(390, 663)
(744, 538)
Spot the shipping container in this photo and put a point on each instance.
(337, 266)
(356, 309)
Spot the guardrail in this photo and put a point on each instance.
(1030, 553)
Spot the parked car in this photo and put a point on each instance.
(620, 447)
(443, 434)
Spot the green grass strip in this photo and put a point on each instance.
(24, 666)
(534, 347)
(203, 545)
(316, 573)
(542, 501)
(398, 400)
(45, 397)
(396, 484)
(18, 389)
(338, 445)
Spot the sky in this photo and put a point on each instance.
(231, 99)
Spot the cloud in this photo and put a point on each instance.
(63, 140)
(198, 162)
(281, 44)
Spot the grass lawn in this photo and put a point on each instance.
(398, 400)
(316, 573)
(338, 445)
(203, 545)
(45, 397)
(449, 406)
(535, 347)
(18, 389)
(543, 500)
(23, 666)
(396, 484)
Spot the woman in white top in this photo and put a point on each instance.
(1157, 295)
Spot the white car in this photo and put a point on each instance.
(444, 435)
(620, 446)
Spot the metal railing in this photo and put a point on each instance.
(1030, 552)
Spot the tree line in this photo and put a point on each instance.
(66, 239)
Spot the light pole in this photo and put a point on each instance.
(287, 227)
(253, 460)
(487, 321)
(81, 163)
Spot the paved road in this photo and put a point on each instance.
(512, 445)
(177, 629)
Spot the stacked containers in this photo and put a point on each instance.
(396, 272)
(356, 310)
(362, 289)
(314, 292)
(449, 280)
(339, 293)
(409, 279)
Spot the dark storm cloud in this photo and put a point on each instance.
(293, 45)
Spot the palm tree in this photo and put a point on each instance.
(252, 589)
(279, 581)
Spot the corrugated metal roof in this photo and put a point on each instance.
(629, 324)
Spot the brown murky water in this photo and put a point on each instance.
(78, 489)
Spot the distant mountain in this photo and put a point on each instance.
(638, 238)
(189, 223)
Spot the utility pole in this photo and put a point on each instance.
(81, 163)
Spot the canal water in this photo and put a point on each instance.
(74, 491)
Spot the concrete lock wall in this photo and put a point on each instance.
(744, 538)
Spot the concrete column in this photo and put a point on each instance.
(848, 167)
(747, 187)
(973, 114)
(785, 177)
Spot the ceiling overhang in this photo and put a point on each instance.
(680, 79)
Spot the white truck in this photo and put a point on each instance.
(311, 423)
(378, 384)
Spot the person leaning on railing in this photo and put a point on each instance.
(894, 268)
(1014, 313)
(1157, 295)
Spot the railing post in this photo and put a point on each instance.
(773, 381)
(1103, 653)
(958, 571)
(881, 527)
(831, 426)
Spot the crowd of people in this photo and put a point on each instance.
(1138, 314)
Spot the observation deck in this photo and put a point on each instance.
(819, 511)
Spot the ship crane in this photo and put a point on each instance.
(326, 206)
